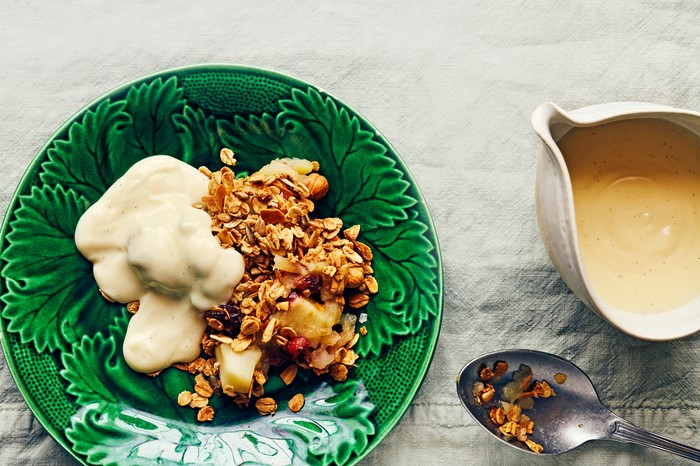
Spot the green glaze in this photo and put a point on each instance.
(62, 340)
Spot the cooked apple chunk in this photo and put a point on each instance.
(236, 368)
(309, 318)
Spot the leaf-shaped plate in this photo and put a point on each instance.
(62, 341)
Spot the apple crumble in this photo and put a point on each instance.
(287, 312)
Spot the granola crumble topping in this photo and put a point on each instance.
(304, 278)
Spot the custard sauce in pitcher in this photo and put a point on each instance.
(636, 192)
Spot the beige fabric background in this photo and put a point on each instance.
(451, 85)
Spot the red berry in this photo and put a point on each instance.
(297, 346)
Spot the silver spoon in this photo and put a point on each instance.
(562, 422)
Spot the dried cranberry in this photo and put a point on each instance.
(308, 282)
(297, 346)
(278, 356)
(229, 315)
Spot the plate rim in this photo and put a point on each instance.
(35, 164)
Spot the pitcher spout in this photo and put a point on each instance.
(550, 123)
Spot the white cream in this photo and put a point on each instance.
(148, 243)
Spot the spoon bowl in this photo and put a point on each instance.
(562, 422)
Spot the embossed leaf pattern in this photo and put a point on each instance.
(97, 150)
(153, 130)
(97, 373)
(199, 137)
(40, 307)
(99, 433)
(256, 140)
(333, 426)
(363, 178)
(407, 280)
(349, 418)
(84, 162)
(66, 317)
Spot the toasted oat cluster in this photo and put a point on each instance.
(519, 395)
(300, 273)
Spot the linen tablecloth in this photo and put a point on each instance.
(451, 85)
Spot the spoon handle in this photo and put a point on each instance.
(624, 431)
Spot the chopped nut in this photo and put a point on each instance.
(229, 390)
(514, 412)
(289, 373)
(196, 366)
(181, 366)
(283, 305)
(296, 403)
(338, 372)
(227, 157)
(509, 417)
(352, 233)
(349, 358)
(483, 393)
(363, 330)
(210, 368)
(184, 398)
(317, 186)
(354, 341)
(522, 434)
(266, 406)
(488, 393)
(501, 368)
(542, 390)
(272, 216)
(486, 374)
(536, 447)
(372, 285)
(510, 428)
(205, 414)
(560, 378)
(269, 330)
(355, 277)
(497, 415)
(259, 377)
(364, 251)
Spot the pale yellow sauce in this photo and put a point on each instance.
(636, 186)
(148, 243)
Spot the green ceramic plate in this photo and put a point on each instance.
(62, 341)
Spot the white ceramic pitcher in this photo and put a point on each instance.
(556, 216)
